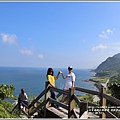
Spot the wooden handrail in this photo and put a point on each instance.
(83, 105)
(112, 99)
(75, 115)
(77, 100)
(58, 103)
(37, 108)
(87, 91)
(14, 108)
(35, 100)
(59, 90)
(109, 114)
(58, 95)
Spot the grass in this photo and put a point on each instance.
(86, 97)
(100, 79)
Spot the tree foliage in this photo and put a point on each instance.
(114, 86)
(3, 112)
(7, 91)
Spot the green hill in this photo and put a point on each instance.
(110, 66)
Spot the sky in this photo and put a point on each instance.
(58, 34)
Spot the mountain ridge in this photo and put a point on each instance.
(110, 65)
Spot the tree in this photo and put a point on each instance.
(7, 91)
(114, 87)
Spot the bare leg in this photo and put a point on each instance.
(63, 98)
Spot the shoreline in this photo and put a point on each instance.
(98, 87)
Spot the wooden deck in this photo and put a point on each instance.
(43, 102)
(63, 113)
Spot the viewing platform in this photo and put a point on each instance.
(40, 107)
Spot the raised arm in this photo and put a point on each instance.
(57, 75)
(63, 76)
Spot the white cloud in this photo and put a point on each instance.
(40, 56)
(99, 47)
(9, 38)
(106, 34)
(25, 51)
(109, 32)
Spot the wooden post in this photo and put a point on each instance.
(83, 108)
(103, 102)
(71, 103)
(47, 95)
(19, 105)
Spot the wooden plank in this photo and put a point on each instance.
(35, 100)
(77, 100)
(83, 108)
(58, 103)
(75, 114)
(58, 95)
(25, 105)
(37, 108)
(47, 95)
(84, 115)
(41, 105)
(59, 112)
(112, 99)
(87, 91)
(71, 103)
(14, 108)
(25, 113)
(102, 101)
(92, 116)
(109, 114)
(59, 90)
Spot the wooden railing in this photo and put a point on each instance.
(32, 104)
(102, 104)
(72, 99)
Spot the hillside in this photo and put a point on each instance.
(110, 66)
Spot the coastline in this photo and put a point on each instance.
(98, 87)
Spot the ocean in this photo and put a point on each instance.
(33, 79)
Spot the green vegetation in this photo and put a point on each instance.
(7, 91)
(110, 66)
(87, 97)
(100, 79)
(110, 69)
(4, 105)
(114, 86)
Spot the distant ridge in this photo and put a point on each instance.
(110, 65)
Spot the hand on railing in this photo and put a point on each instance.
(56, 87)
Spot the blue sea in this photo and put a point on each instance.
(33, 79)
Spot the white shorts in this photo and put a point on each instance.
(67, 86)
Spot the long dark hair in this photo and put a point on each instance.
(48, 71)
